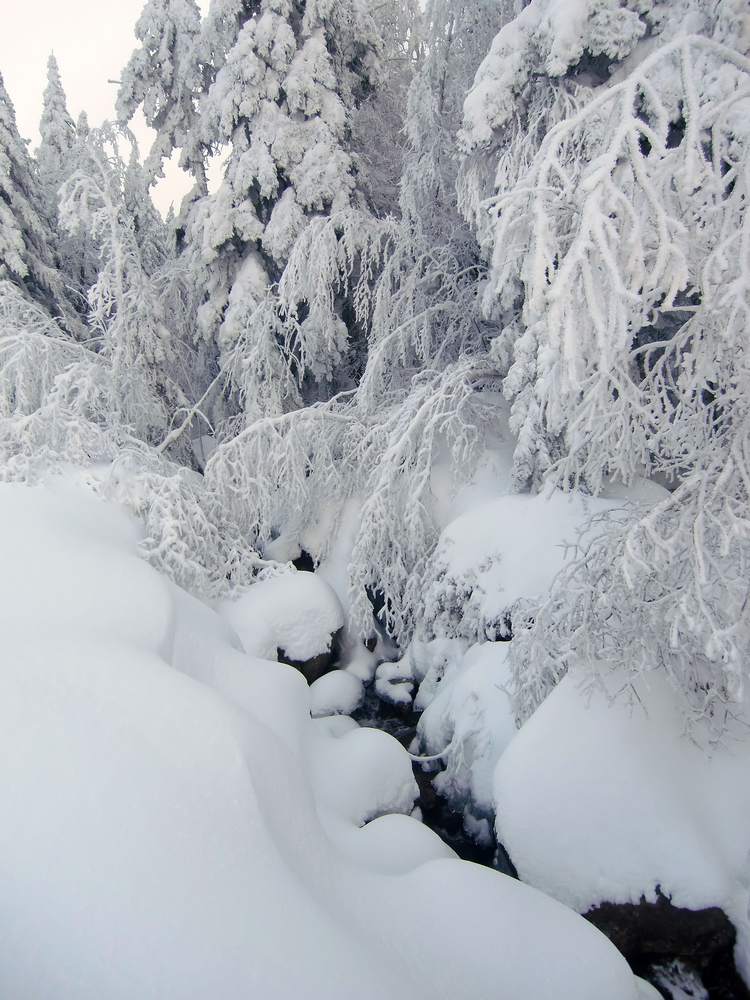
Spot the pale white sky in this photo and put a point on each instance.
(92, 40)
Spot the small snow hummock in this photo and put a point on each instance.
(498, 553)
(337, 693)
(362, 775)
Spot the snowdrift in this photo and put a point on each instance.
(175, 824)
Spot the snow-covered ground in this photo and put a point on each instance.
(176, 825)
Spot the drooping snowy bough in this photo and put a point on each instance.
(624, 249)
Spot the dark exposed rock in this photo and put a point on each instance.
(653, 934)
(319, 665)
(502, 862)
(304, 562)
(377, 600)
(657, 929)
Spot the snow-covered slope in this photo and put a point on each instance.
(175, 824)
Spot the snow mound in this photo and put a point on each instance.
(362, 775)
(295, 612)
(176, 826)
(597, 800)
(55, 543)
(497, 554)
(392, 844)
(337, 693)
(394, 683)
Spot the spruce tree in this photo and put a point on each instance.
(108, 199)
(281, 102)
(287, 78)
(58, 138)
(27, 255)
(163, 77)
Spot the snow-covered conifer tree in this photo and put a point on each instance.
(378, 138)
(426, 302)
(456, 36)
(124, 305)
(27, 241)
(58, 138)
(148, 226)
(62, 151)
(165, 77)
(281, 101)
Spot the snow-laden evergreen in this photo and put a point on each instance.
(27, 238)
(280, 101)
(57, 138)
(164, 77)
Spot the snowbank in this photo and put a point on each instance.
(69, 566)
(598, 801)
(175, 825)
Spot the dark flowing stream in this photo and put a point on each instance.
(401, 723)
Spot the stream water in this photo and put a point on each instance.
(436, 813)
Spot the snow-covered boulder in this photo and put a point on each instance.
(337, 693)
(362, 775)
(600, 800)
(294, 617)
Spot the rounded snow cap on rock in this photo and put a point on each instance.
(293, 617)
